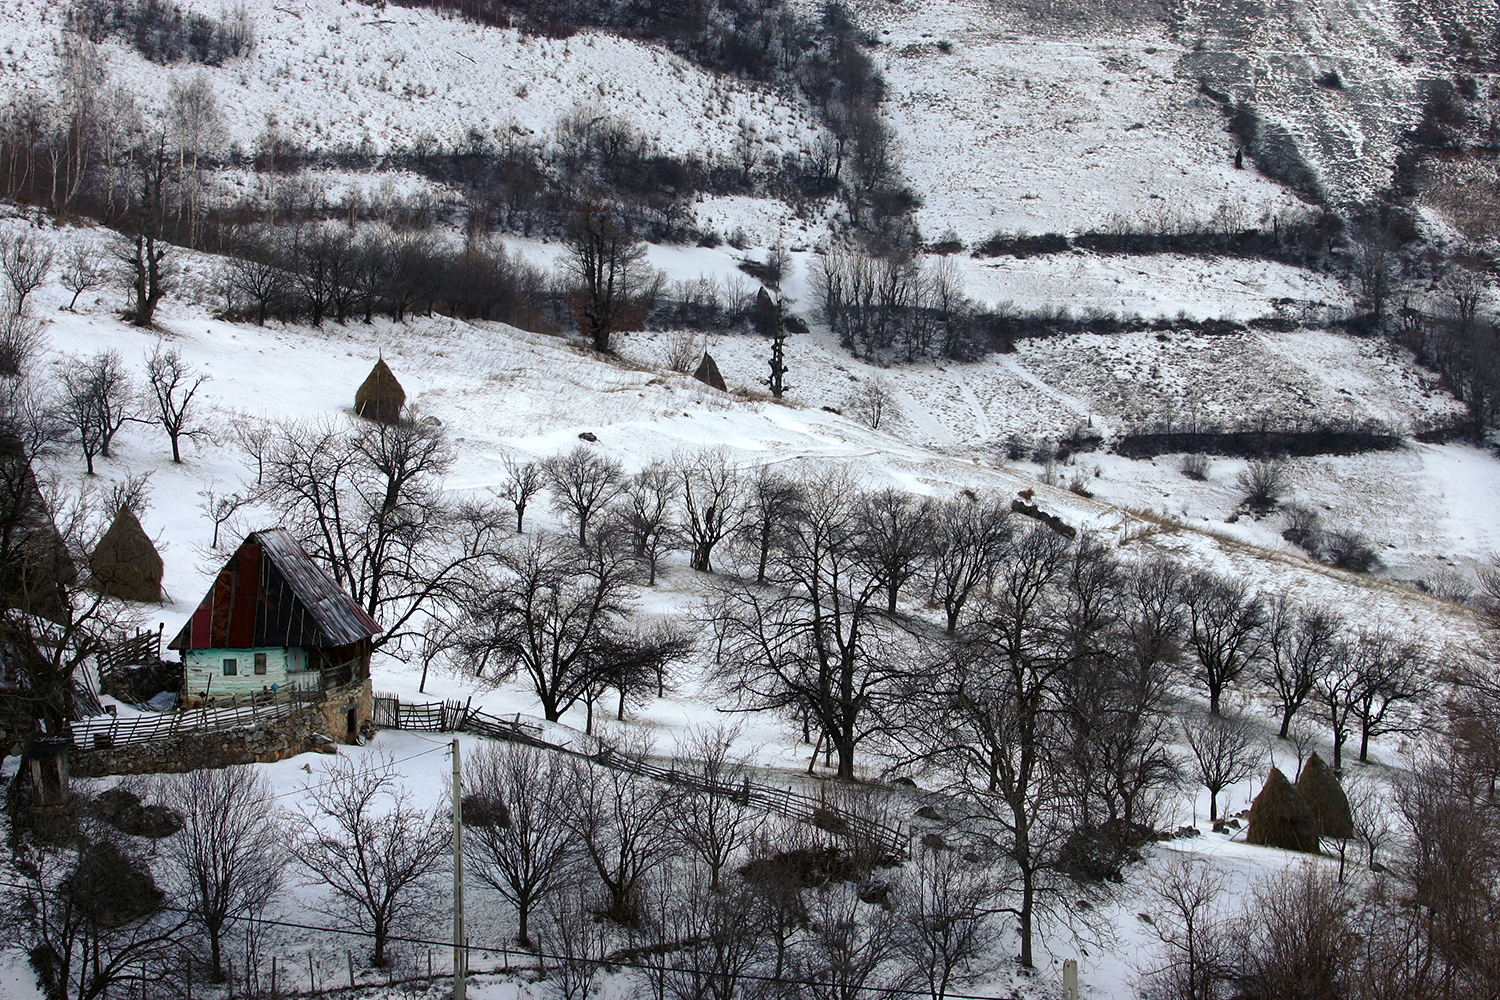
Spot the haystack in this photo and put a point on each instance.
(126, 564)
(381, 396)
(1279, 817)
(708, 373)
(1321, 791)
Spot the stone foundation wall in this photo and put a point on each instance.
(314, 728)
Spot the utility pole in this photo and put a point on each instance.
(460, 964)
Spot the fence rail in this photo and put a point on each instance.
(818, 811)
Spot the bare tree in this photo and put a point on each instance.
(720, 948)
(1225, 619)
(366, 500)
(583, 484)
(874, 402)
(1264, 483)
(516, 835)
(895, 531)
(646, 515)
(710, 819)
(146, 258)
(229, 858)
(82, 269)
(711, 502)
(1371, 808)
(93, 921)
(256, 271)
(20, 341)
(969, 536)
(850, 948)
(362, 838)
(1196, 948)
(26, 260)
(174, 383)
(1296, 939)
(1225, 751)
(1392, 680)
(816, 641)
(1337, 695)
(947, 934)
(79, 408)
(621, 825)
(771, 499)
(523, 481)
(606, 264)
(576, 941)
(994, 722)
(1299, 647)
(551, 613)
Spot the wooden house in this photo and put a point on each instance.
(272, 620)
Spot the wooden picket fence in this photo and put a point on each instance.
(819, 810)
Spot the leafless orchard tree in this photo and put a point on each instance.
(1393, 679)
(712, 502)
(995, 722)
(850, 948)
(621, 823)
(551, 612)
(874, 403)
(895, 529)
(816, 640)
(20, 340)
(1224, 751)
(359, 835)
(366, 499)
(718, 946)
(1225, 630)
(96, 400)
(229, 859)
(517, 839)
(577, 942)
(174, 383)
(1299, 647)
(969, 536)
(646, 515)
(771, 500)
(713, 826)
(523, 481)
(583, 484)
(1371, 808)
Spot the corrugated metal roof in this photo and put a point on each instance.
(271, 593)
(339, 618)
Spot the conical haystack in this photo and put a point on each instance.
(381, 396)
(1279, 817)
(708, 373)
(125, 564)
(1320, 789)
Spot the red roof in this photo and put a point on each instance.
(271, 593)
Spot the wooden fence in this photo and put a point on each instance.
(110, 731)
(817, 810)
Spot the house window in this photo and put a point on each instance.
(260, 663)
(231, 666)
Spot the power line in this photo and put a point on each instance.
(546, 956)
